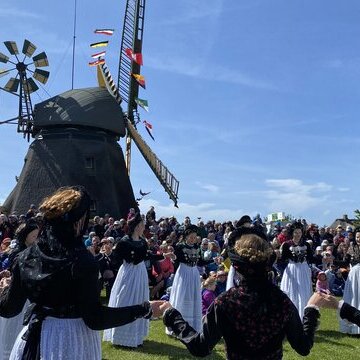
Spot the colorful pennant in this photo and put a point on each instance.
(137, 57)
(99, 44)
(139, 79)
(97, 62)
(98, 55)
(104, 31)
(142, 103)
(148, 128)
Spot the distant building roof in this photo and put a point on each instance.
(90, 107)
(344, 222)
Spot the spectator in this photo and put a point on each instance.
(150, 216)
(208, 294)
(221, 277)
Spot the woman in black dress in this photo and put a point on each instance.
(60, 278)
(255, 316)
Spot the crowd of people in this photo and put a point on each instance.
(195, 268)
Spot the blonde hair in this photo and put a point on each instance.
(210, 281)
(59, 203)
(253, 248)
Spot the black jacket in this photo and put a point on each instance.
(252, 326)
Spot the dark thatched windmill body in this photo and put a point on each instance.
(76, 133)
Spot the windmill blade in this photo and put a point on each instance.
(30, 86)
(166, 178)
(3, 58)
(28, 48)
(3, 72)
(12, 85)
(12, 47)
(41, 60)
(41, 75)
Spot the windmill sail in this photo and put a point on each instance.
(166, 178)
(132, 37)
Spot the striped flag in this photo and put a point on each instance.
(137, 57)
(148, 128)
(97, 62)
(139, 79)
(98, 55)
(142, 103)
(104, 31)
(99, 44)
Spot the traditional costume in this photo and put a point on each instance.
(253, 318)
(185, 293)
(352, 289)
(59, 277)
(131, 287)
(296, 281)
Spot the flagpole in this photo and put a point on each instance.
(73, 51)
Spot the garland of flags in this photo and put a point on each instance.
(136, 57)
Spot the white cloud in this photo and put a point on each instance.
(195, 10)
(209, 187)
(18, 13)
(207, 211)
(209, 72)
(343, 189)
(292, 195)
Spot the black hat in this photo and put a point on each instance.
(25, 229)
(243, 265)
(190, 229)
(243, 220)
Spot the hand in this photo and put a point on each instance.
(5, 274)
(4, 283)
(323, 300)
(170, 255)
(166, 305)
(156, 308)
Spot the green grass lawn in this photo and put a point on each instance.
(330, 344)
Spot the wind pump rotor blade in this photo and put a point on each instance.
(41, 60)
(4, 72)
(28, 48)
(12, 85)
(12, 47)
(30, 86)
(3, 58)
(41, 75)
(9, 121)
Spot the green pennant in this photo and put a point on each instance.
(142, 103)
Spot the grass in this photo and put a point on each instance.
(330, 344)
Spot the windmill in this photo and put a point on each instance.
(127, 90)
(21, 82)
(76, 133)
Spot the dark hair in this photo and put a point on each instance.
(133, 222)
(243, 220)
(296, 225)
(190, 229)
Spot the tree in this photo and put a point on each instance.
(357, 218)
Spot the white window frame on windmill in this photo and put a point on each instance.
(89, 162)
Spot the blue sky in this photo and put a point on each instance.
(254, 104)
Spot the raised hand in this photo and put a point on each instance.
(156, 307)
